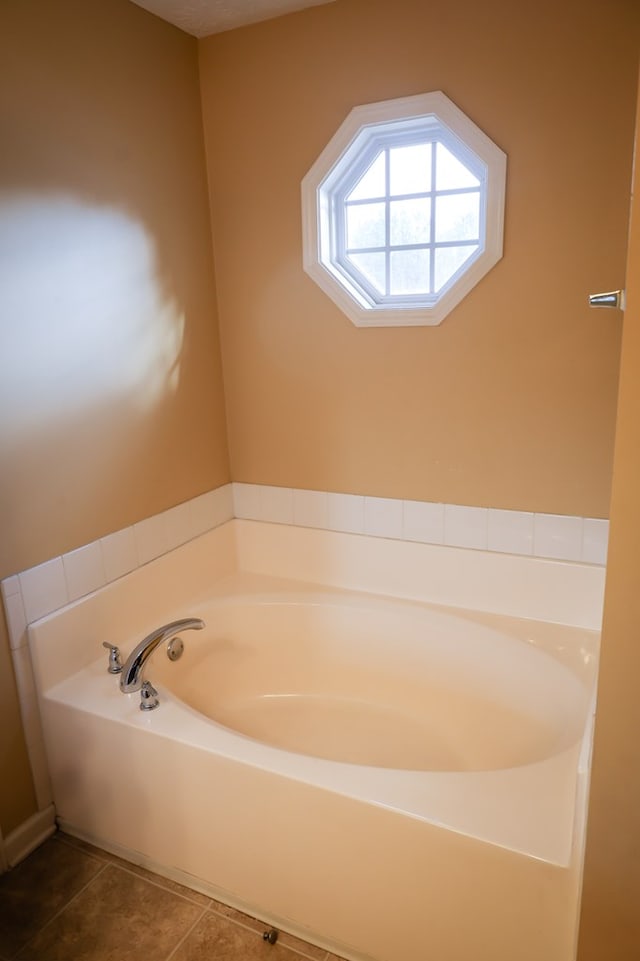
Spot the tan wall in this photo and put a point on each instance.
(112, 397)
(111, 403)
(610, 927)
(511, 402)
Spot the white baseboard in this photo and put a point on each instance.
(29, 835)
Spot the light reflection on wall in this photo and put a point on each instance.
(84, 321)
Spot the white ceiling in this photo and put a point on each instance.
(203, 17)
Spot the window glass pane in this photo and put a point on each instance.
(366, 225)
(458, 217)
(373, 266)
(450, 173)
(448, 260)
(409, 272)
(372, 182)
(410, 221)
(410, 169)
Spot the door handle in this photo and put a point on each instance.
(614, 298)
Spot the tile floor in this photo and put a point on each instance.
(69, 901)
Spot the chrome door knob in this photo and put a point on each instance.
(613, 298)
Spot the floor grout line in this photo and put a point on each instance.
(159, 884)
(252, 930)
(187, 934)
(63, 908)
(77, 844)
(157, 880)
(105, 859)
(299, 952)
(60, 837)
(240, 924)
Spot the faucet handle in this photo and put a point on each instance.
(148, 696)
(115, 662)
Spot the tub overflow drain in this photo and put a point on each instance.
(175, 648)
(271, 936)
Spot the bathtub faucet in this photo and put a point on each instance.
(131, 678)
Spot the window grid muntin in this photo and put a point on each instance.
(352, 176)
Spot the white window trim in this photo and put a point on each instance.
(328, 171)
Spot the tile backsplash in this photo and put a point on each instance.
(40, 590)
(480, 528)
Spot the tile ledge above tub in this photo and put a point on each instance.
(40, 590)
(554, 536)
(46, 588)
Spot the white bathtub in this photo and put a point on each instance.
(384, 778)
(375, 682)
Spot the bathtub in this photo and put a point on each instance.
(364, 681)
(388, 779)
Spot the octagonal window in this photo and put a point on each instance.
(403, 211)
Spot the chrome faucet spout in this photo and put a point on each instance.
(131, 678)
